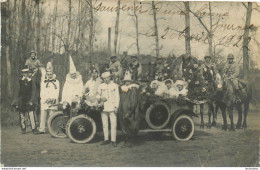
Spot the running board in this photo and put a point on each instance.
(154, 130)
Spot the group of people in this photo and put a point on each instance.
(194, 81)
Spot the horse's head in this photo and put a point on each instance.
(219, 82)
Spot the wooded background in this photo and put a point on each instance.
(56, 32)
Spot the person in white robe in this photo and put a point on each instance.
(50, 88)
(73, 86)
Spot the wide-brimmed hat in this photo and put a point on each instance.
(207, 56)
(105, 75)
(134, 56)
(33, 51)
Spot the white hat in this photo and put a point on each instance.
(105, 75)
(180, 82)
(72, 66)
(127, 76)
(49, 67)
(169, 80)
(154, 82)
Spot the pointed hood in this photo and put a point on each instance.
(72, 66)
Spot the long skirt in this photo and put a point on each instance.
(129, 114)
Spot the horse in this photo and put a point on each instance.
(226, 100)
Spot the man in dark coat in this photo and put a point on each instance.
(187, 67)
(25, 98)
(136, 68)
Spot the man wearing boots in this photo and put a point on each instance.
(24, 99)
(231, 72)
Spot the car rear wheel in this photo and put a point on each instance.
(183, 128)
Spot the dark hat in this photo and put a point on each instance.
(133, 56)
(207, 56)
(113, 56)
(33, 52)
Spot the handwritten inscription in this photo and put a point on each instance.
(170, 33)
(161, 8)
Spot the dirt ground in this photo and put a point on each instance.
(208, 147)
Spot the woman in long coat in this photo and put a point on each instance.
(129, 114)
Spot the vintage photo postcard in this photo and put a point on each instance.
(124, 83)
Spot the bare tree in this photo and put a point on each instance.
(187, 27)
(137, 30)
(246, 40)
(155, 30)
(37, 2)
(209, 31)
(117, 26)
(91, 32)
(54, 27)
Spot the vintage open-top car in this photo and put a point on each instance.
(80, 122)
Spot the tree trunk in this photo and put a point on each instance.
(67, 48)
(53, 45)
(6, 45)
(246, 41)
(38, 27)
(187, 27)
(109, 41)
(210, 35)
(155, 30)
(116, 26)
(91, 33)
(137, 31)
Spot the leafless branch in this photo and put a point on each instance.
(201, 22)
(244, 5)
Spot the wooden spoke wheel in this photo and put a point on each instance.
(57, 125)
(81, 129)
(157, 116)
(183, 128)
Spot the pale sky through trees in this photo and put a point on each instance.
(227, 15)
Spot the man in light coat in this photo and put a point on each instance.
(109, 94)
(49, 94)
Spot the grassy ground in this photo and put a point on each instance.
(208, 147)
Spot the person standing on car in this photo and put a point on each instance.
(109, 94)
(136, 68)
(50, 89)
(115, 68)
(24, 99)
